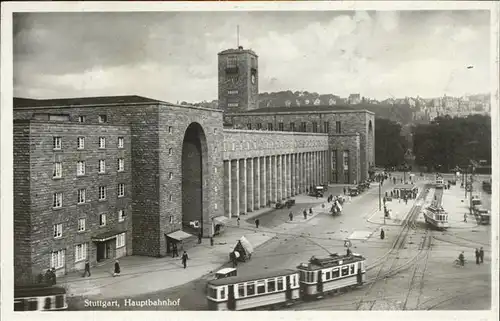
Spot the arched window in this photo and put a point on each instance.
(370, 127)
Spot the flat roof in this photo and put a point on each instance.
(308, 108)
(254, 277)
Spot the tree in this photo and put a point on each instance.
(389, 144)
(449, 142)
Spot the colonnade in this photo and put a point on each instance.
(257, 182)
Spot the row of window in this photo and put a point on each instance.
(58, 258)
(252, 288)
(302, 127)
(312, 276)
(80, 142)
(58, 228)
(81, 167)
(82, 193)
(101, 118)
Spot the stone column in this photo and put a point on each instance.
(256, 182)
(250, 187)
(274, 179)
(243, 185)
(283, 180)
(235, 187)
(227, 189)
(292, 174)
(279, 178)
(302, 172)
(289, 175)
(269, 179)
(263, 181)
(308, 170)
(296, 173)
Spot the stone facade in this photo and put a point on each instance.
(36, 181)
(337, 124)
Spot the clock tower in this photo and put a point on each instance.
(238, 80)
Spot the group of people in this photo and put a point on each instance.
(479, 257)
(304, 213)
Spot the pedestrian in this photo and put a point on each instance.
(310, 211)
(290, 216)
(117, 268)
(238, 221)
(349, 252)
(477, 256)
(184, 259)
(382, 234)
(53, 276)
(345, 191)
(211, 241)
(87, 268)
(465, 217)
(257, 222)
(305, 215)
(199, 238)
(481, 255)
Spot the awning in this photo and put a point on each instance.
(179, 235)
(221, 220)
(103, 237)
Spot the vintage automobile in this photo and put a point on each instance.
(353, 191)
(288, 204)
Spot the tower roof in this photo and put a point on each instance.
(237, 51)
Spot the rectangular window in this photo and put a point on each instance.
(120, 240)
(232, 62)
(80, 143)
(121, 164)
(81, 225)
(80, 252)
(57, 142)
(120, 142)
(102, 192)
(303, 127)
(232, 92)
(103, 119)
(223, 293)
(326, 127)
(249, 126)
(328, 275)
(345, 270)
(338, 128)
(280, 283)
(82, 193)
(102, 142)
(121, 190)
(315, 127)
(232, 105)
(57, 231)
(335, 273)
(121, 216)
(57, 200)
(57, 170)
(102, 166)
(261, 287)
(102, 220)
(292, 127)
(259, 126)
(280, 127)
(271, 285)
(346, 159)
(57, 259)
(241, 290)
(81, 119)
(269, 126)
(352, 268)
(250, 288)
(80, 168)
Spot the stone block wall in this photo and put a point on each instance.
(44, 185)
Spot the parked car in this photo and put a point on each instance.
(353, 191)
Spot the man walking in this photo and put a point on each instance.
(290, 216)
(238, 221)
(257, 222)
(481, 255)
(184, 259)
(465, 217)
(87, 268)
(117, 269)
(477, 256)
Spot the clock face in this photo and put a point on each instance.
(253, 79)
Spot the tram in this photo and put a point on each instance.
(40, 297)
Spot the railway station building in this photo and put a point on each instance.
(98, 178)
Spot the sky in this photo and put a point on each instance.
(172, 56)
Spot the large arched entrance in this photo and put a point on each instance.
(194, 165)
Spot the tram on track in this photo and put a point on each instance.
(271, 289)
(39, 297)
(435, 215)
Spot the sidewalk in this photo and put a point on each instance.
(455, 203)
(142, 275)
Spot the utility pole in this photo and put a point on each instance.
(379, 194)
